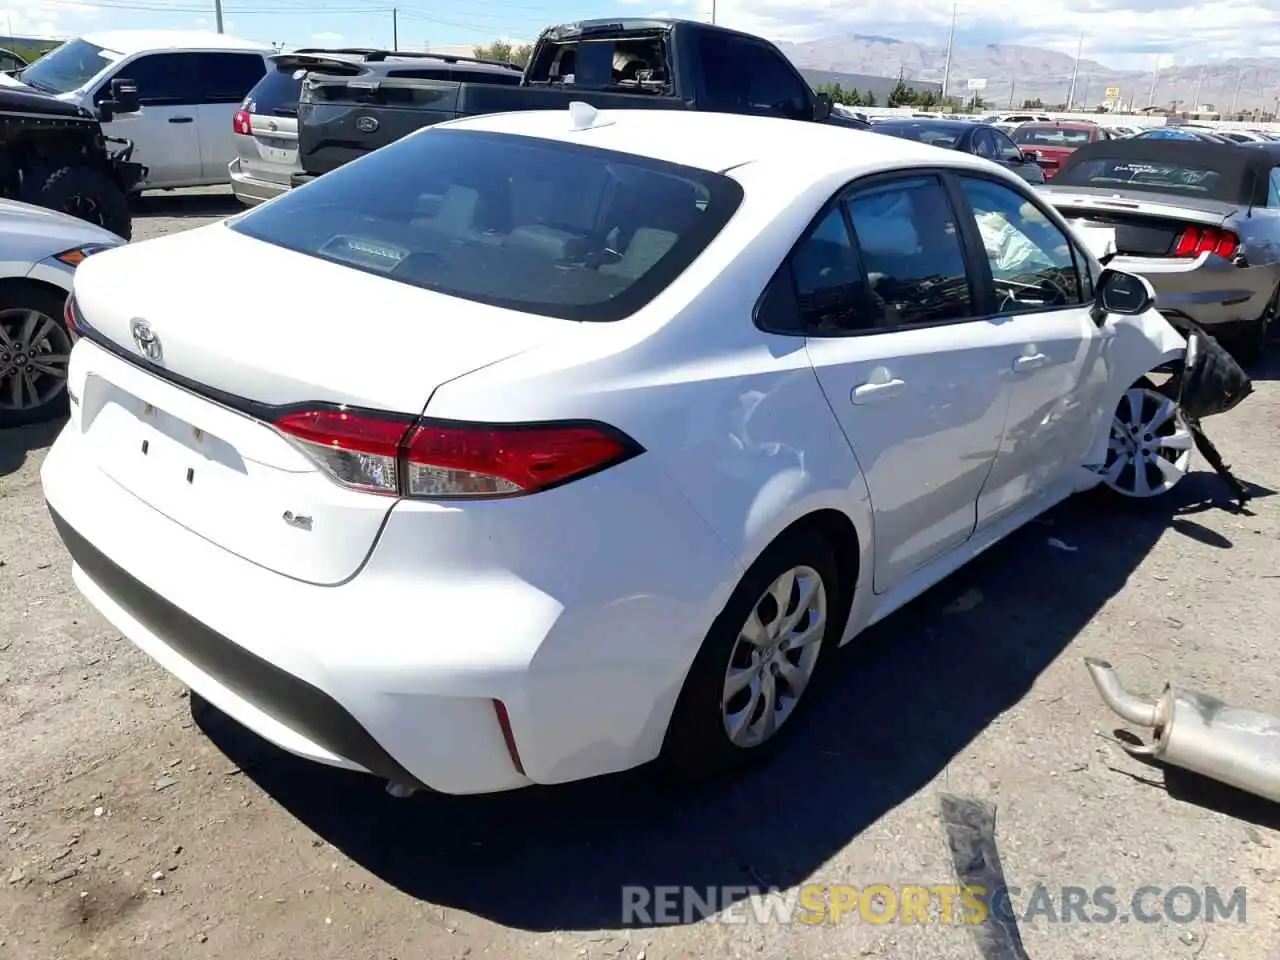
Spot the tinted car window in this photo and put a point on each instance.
(1031, 260)
(744, 77)
(1033, 135)
(828, 278)
(937, 134)
(226, 77)
(163, 79)
(276, 94)
(984, 145)
(911, 250)
(482, 216)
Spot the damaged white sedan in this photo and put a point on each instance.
(584, 435)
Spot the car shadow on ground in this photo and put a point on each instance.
(16, 443)
(919, 688)
(182, 205)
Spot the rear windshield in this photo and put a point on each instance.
(1052, 136)
(937, 135)
(1143, 174)
(544, 227)
(276, 94)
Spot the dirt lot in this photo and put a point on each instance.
(133, 828)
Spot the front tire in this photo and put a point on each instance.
(1150, 446)
(35, 347)
(83, 192)
(760, 660)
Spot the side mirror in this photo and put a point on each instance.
(1122, 294)
(1032, 155)
(821, 106)
(123, 100)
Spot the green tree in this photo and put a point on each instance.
(928, 99)
(1036, 104)
(505, 52)
(902, 95)
(869, 100)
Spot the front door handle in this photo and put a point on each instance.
(1030, 362)
(873, 392)
(181, 119)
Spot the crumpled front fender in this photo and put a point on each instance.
(1140, 345)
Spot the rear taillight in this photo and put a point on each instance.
(1194, 241)
(395, 456)
(242, 123)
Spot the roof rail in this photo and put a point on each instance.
(446, 57)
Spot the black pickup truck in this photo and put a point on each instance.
(614, 64)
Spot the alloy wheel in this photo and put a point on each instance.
(34, 351)
(1150, 447)
(774, 657)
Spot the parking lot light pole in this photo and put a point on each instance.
(217, 13)
(951, 42)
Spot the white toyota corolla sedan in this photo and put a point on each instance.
(584, 437)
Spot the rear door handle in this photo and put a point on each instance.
(1030, 362)
(873, 392)
(181, 119)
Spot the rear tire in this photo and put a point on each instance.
(722, 721)
(83, 192)
(1247, 340)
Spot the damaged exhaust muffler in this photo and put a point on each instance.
(1200, 733)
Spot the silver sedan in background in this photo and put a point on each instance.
(39, 252)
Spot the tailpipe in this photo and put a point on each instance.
(1200, 733)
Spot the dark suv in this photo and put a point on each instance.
(266, 125)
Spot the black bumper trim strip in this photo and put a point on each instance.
(294, 702)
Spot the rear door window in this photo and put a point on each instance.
(226, 77)
(539, 226)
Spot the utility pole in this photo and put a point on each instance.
(1235, 99)
(1155, 78)
(951, 42)
(713, 11)
(1075, 72)
(395, 29)
(217, 13)
(1199, 89)
(1013, 85)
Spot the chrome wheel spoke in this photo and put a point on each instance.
(1168, 470)
(1163, 414)
(1180, 440)
(773, 659)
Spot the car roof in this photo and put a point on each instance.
(128, 42)
(1063, 124)
(718, 142)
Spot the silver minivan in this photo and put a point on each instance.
(266, 125)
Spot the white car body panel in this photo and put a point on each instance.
(589, 600)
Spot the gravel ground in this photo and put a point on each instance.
(134, 824)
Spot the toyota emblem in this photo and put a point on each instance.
(147, 342)
(367, 124)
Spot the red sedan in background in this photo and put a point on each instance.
(1051, 143)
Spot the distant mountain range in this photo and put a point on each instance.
(1024, 73)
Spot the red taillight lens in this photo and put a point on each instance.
(241, 123)
(396, 457)
(1194, 241)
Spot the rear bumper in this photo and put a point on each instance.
(1209, 290)
(251, 191)
(583, 628)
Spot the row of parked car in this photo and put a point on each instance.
(667, 405)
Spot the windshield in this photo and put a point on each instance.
(68, 67)
(1052, 136)
(540, 226)
(1163, 175)
(935, 134)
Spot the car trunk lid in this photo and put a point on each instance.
(1146, 226)
(188, 429)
